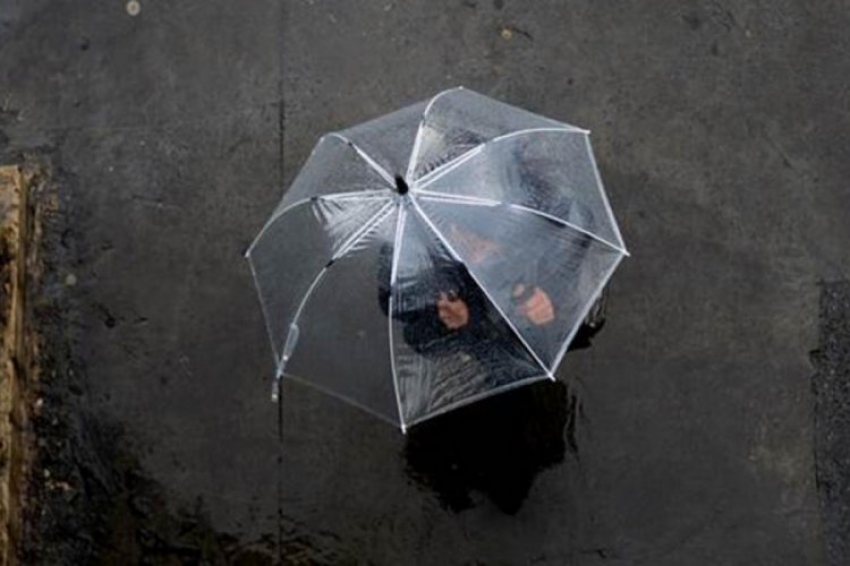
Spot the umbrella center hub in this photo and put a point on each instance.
(401, 185)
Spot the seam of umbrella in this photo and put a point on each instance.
(602, 283)
(365, 156)
(460, 199)
(264, 309)
(601, 188)
(417, 141)
(541, 129)
(447, 167)
(569, 224)
(473, 201)
(353, 195)
(352, 241)
(399, 230)
(360, 234)
(339, 396)
(480, 396)
(457, 257)
(440, 171)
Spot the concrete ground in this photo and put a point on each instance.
(720, 129)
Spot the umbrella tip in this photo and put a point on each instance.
(401, 185)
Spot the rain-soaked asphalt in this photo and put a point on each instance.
(685, 435)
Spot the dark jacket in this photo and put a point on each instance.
(415, 305)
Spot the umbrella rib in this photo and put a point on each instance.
(502, 313)
(355, 238)
(266, 317)
(353, 195)
(399, 230)
(601, 188)
(455, 198)
(339, 396)
(344, 249)
(417, 142)
(475, 201)
(448, 167)
(483, 395)
(585, 311)
(569, 224)
(369, 161)
(452, 164)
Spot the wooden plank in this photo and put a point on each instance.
(18, 345)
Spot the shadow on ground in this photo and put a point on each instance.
(497, 446)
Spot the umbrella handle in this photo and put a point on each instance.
(291, 341)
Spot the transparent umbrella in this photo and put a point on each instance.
(435, 256)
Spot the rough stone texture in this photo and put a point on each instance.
(720, 129)
(832, 419)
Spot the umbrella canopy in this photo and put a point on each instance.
(435, 256)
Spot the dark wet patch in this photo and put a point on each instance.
(7, 117)
(694, 21)
(831, 386)
(95, 506)
(499, 445)
(6, 257)
(88, 501)
(108, 318)
(495, 447)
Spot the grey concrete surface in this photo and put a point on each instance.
(720, 130)
(832, 419)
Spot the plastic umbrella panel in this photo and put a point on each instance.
(436, 256)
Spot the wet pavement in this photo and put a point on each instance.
(832, 419)
(684, 435)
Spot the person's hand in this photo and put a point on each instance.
(453, 311)
(537, 308)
